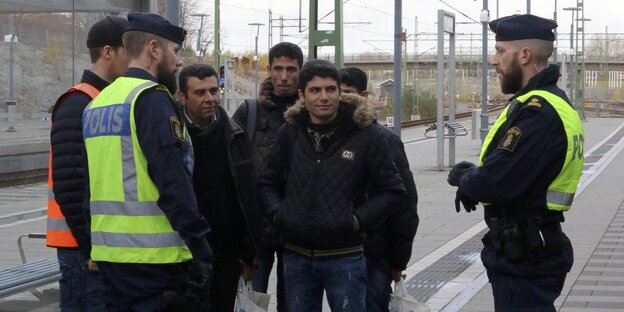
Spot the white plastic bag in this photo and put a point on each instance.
(248, 300)
(401, 301)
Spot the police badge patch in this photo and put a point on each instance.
(176, 128)
(534, 102)
(511, 139)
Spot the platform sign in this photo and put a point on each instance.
(390, 121)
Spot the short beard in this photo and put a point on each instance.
(512, 82)
(167, 78)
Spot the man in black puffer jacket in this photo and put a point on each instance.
(277, 93)
(315, 189)
(388, 247)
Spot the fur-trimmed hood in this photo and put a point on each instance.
(362, 113)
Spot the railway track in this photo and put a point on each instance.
(422, 122)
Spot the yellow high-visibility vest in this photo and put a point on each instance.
(127, 226)
(561, 190)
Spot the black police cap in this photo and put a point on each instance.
(107, 31)
(155, 24)
(525, 26)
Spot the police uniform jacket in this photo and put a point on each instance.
(518, 169)
(163, 151)
(313, 196)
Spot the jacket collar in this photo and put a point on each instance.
(352, 106)
(544, 79)
(94, 80)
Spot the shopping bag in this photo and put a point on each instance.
(248, 300)
(401, 301)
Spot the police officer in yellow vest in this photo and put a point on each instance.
(147, 235)
(530, 165)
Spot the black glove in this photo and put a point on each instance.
(199, 283)
(469, 204)
(457, 171)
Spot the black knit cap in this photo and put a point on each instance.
(525, 26)
(155, 24)
(107, 31)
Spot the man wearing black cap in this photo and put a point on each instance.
(67, 228)
(530, 165)
(147, 235)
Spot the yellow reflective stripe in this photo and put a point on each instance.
(151, 240)
(140, 255)
(57, 224)
(130, 224)
(127, 208)
(559, 198)
(128, 164)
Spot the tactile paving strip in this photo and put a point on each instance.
(601, 283)
(429, 281)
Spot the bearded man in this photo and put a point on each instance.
(529, 168)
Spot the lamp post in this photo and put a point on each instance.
(484, 19)
(572, 52)
(556, 38)
(256, 56)
(200, 53)
(580, 98)
(572, 9)
(10, 103)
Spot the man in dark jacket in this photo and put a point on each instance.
(530, 165)
(68, 229)
(315, 190)
(224, 181)
(277, 93)
(388, 247)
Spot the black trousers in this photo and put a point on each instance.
(227, 270)
(514, 293)
(141, 287)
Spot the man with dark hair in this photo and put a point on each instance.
(314, 189)
(148, 237)
(388, 247)
(67, 228)
(224, 180)
(261, 118)
(529, 169)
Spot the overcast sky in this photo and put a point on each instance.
(369, 24)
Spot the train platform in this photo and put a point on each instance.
(445, 270)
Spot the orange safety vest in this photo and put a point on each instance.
(58, 233)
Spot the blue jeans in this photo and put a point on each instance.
(379, 285)
(260, 282)
(343, 279)
(80, 288)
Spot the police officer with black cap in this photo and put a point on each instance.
(529, 168)
(147, 235)
(80, 286)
